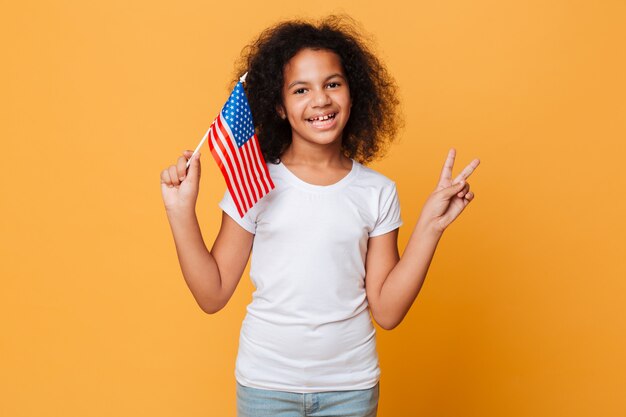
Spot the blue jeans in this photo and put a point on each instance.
(254, 402)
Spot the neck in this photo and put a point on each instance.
(304, 153)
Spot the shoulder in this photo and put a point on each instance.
(374, 178)
(383, 201)
(377, 189)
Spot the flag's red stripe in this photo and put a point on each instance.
(266, 175)
(250, 177)
(228, 184)
(229, 161)
(235, 152)
(210, 143)
(257, 149)
(253, 170)
(255, 167)
(253, 152)
(218, 159)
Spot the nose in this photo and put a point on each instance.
(321, 98)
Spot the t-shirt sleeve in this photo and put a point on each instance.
(228, 205)
(388, 212)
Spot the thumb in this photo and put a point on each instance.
(193, 172)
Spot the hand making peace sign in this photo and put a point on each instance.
(450, 197)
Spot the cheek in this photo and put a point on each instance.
(344, 100)
(347, 110)
(295, 108)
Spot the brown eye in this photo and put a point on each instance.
(333, 85)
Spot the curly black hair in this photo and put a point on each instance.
(374, 117)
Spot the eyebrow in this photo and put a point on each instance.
(327, 78)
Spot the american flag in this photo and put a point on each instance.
(235, 148)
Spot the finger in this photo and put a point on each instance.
(446, 172)
(181, 168)
(194, 169)
(165, 178)
(469, 196)
(174, 175)
(450, 191)
(464, 190)
(467, 171)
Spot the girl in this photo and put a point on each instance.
(325, 239)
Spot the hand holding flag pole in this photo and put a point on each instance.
(236, 149)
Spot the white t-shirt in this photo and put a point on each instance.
(308, 327)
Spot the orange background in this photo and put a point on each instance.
(522, 312)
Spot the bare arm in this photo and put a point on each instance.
(393, 283)
(212, 276)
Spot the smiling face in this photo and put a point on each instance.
(316, 97)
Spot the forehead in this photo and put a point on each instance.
(312, 65)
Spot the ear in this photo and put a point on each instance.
(281, 111)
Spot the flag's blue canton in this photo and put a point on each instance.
(237, 113)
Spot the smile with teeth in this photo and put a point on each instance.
(322, 118)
